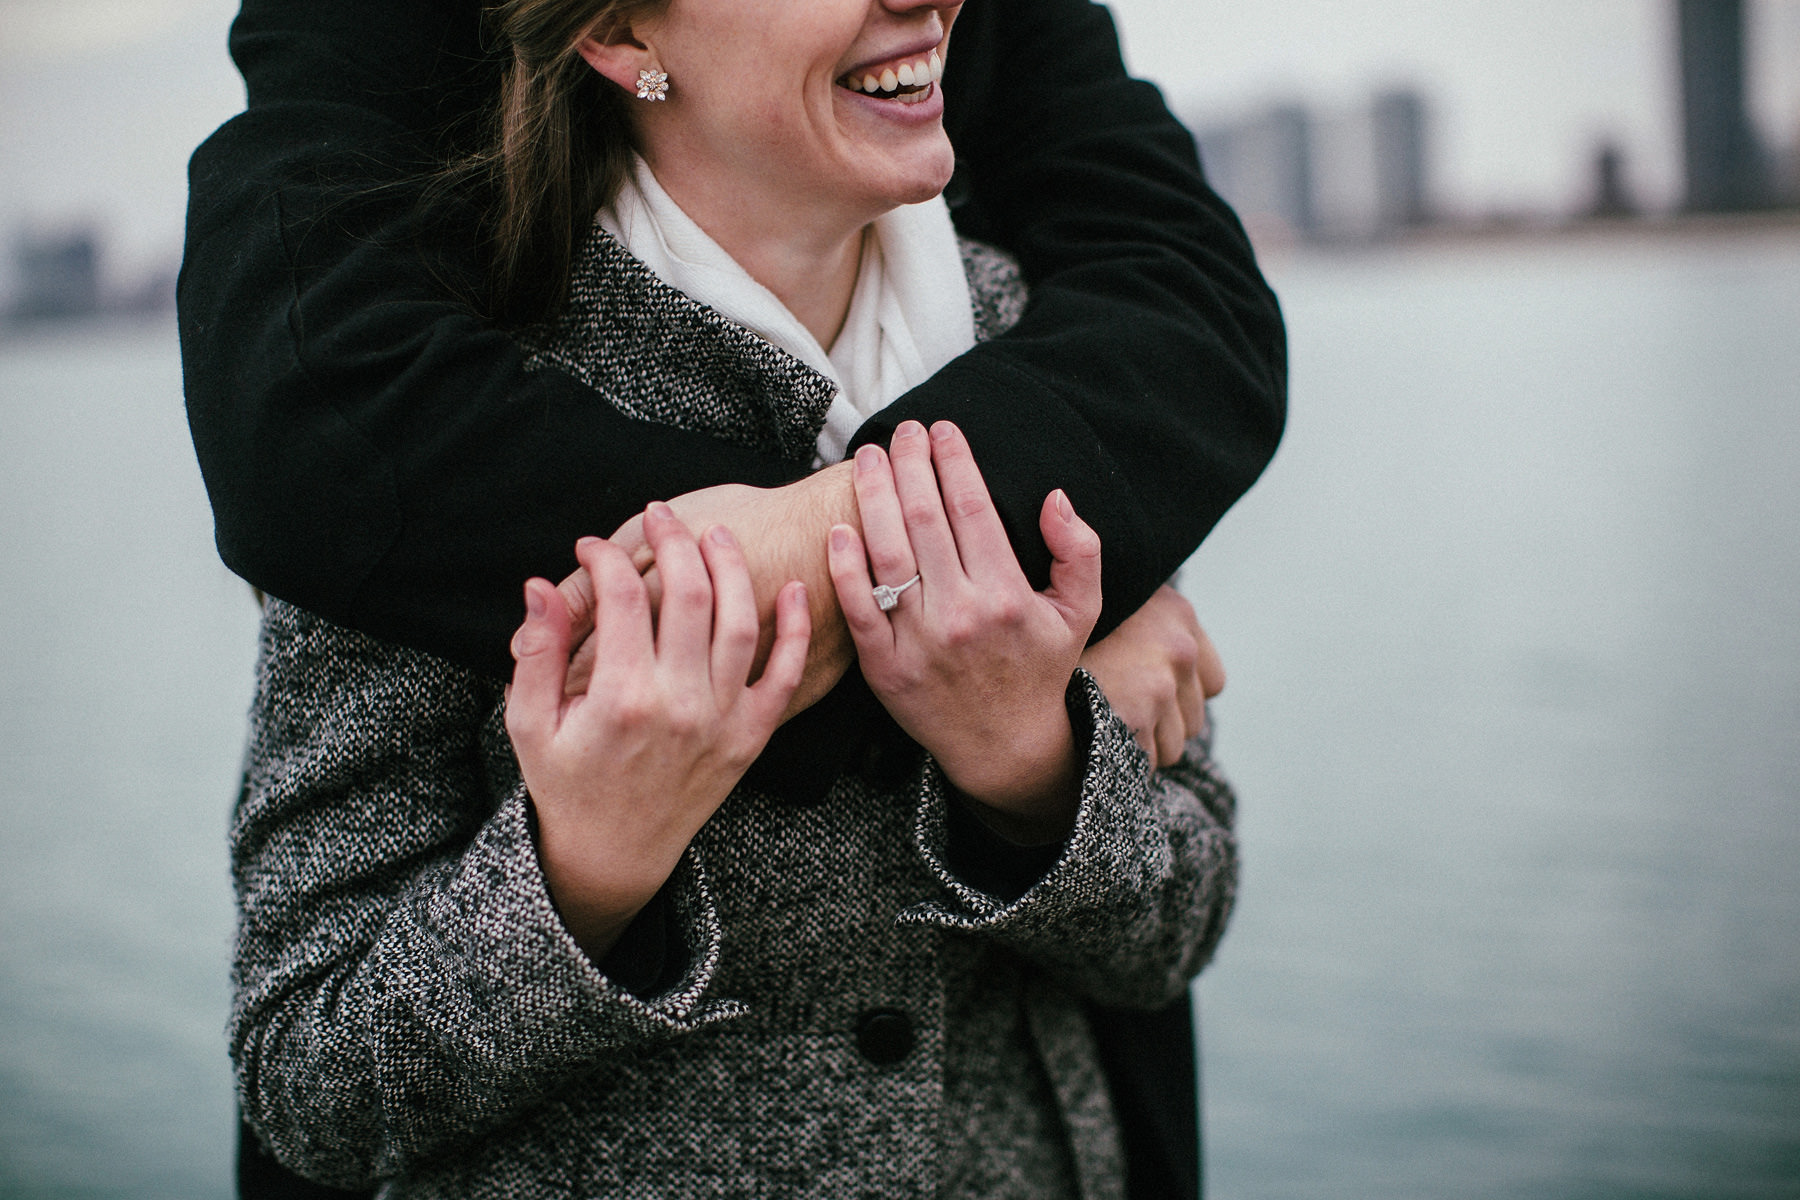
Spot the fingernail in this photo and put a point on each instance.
(909, 429)
(1063, 508)
(868, 458)
(941, 431)
(534, 602)
(656, 507)
(718, 535)
(840, 537)
(583, 543)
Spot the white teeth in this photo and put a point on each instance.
(908, 75)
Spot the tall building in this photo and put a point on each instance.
(1398, 143)
(1263, 166)
(1724, 164)
(59, 276)
(1370, 176)
(1350, 175)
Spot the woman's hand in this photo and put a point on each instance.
(1158, 670)
(624, 775)
(971, 661)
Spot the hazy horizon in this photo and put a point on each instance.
(101, 101)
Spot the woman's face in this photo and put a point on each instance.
(772, 96)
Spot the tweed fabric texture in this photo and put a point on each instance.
(655, 353)
(410, 1010)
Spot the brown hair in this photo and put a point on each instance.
(559, 148)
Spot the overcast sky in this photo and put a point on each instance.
(102, 100)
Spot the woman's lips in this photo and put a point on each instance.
(908, 81)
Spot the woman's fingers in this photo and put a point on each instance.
(927, 528)
(981, 541)
(735, 627)
(890, 552)
(685, 613)
(540, 660)
(770, 694)
(622, 621)
(1074, 562)
(870, 628)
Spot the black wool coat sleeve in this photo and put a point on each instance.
(379, 455)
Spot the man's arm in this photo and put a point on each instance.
(1147, 377)
(379, 455)
(373, 451)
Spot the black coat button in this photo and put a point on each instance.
(884, 1035)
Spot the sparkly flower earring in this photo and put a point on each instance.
(653, 85)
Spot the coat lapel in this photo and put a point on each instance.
(657, 354)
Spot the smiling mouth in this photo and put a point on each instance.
(908, 82)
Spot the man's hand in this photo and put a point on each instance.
(784, 532)
(1158, 670)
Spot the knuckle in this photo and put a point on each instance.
(631, 708)
(684, 720)
(917, 507)
(519, 727)
(964, 632)
(689, 593)
(1184, 652)
(621, 590)
(737, 632)
(966, 503)
(890, 561)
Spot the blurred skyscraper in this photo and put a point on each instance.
(58, 276)
(1398, 138)
(1724, 162)
(1263, 165)
(1352, 176)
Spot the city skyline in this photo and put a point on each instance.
(101, 101)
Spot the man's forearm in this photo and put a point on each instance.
(1148, 375)
(378, 454)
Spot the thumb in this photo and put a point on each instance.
(1075, 562)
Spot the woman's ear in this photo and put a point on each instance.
(616, 54)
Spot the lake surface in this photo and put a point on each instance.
(1513, 626)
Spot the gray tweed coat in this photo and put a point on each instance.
(845, 1013)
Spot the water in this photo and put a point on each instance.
(126, 651)
(1515, 659)
(1515, 654)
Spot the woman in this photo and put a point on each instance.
(602, 978)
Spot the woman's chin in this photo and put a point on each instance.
(925, 189)
(919, 176)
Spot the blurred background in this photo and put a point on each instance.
(1512, 622)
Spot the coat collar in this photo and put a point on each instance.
(657, 354)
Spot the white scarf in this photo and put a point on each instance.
(909, 314)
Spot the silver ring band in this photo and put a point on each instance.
(887, 597)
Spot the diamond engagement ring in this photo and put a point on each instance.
(887, 597)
